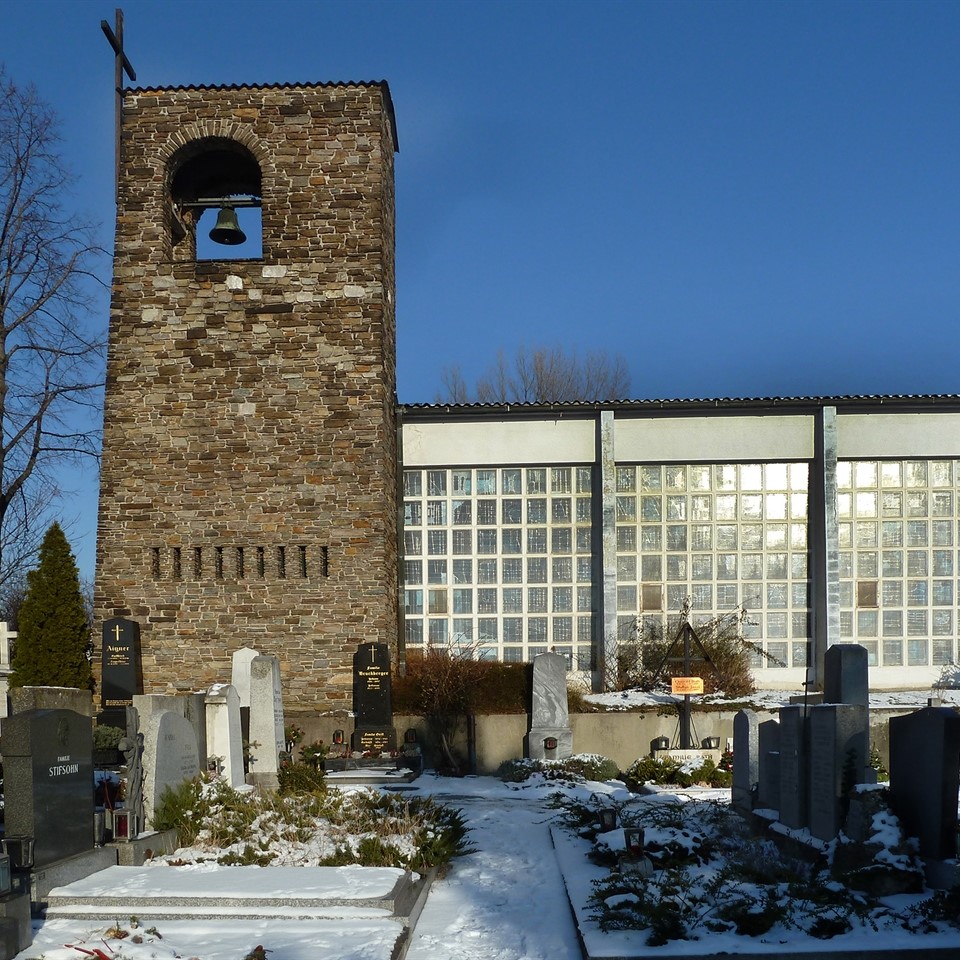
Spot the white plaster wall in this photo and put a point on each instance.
(499, 442)
(881, 678)
(898, 435)
(716, 439)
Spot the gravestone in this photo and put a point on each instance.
(23, 699)
(240, 678)
(266, 720)
(48, 782)
(925, 778)
(122, 678)
(746, 766)
(132, 748)
(838, 761)
(224, 736)
(372, 706)
(550, 736)
(169, 758)
(240, 674)
(768, 792)
(846, 674)
(6, 636)
(794, 767)
(195, 710)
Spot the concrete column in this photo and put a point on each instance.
(824, 545)
(607, 639)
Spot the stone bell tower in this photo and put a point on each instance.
(248, 490)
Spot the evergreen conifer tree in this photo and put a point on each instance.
(53, 638)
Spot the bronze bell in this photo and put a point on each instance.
(226, 230)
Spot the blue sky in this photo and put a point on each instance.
(741, 198)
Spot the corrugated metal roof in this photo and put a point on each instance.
(574, 406)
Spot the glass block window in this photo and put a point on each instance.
(722, 535)
(897, 532)
(512, 548)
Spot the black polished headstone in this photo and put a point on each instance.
(371, 699)
(48, 781)
(122, 678)
(925, 778)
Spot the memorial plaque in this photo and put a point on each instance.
(122, 678)
(48, 781)
(371, 700)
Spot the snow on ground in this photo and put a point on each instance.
(506, 901)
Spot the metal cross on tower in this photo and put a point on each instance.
(115, 37)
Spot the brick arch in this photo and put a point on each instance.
(216, 129)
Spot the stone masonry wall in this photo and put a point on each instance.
(248, 490)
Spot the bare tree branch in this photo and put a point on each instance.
(542, 375)
(51, 356)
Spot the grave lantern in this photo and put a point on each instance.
(659, 743)
(410, 736)
(20, 852)
(633, 839)
(5, 881)
(338, 738)
(121, 824)
(550, 743)
(608, 819)
(710, 743)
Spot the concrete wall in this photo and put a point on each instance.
(623, 737)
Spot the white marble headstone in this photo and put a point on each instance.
(224, 734)
(240, 677)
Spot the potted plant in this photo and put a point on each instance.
(106, 745)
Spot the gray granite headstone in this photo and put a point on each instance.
(48, 781)
(794, 767)
(768, 737)
(23, 699)
(838, 760)
(169, 755)
(746, 769)
(266, 719)
(925, 778)
(550, 736)
(846, 675)
(224, 737)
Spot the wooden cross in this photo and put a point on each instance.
(115, 38)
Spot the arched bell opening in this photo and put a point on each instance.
(215, 194)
